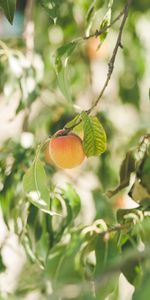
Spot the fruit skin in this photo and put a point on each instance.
(66, 150)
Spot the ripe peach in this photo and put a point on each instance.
(66, 150)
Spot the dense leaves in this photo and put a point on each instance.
(76, 245)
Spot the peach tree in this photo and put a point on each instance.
(68, 257)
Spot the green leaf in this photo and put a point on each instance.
(78, 130)
(61, 62)
(34, 182)
(124, 215)
(73, 201)
(27, 243)
(51, 7)
(72, 122)
(65, 50)
(110, 4)
(63, 83)
(8, 7)
(27, 102)
(145, 173)
(106, 251)
(73, 205)
(127, 167)
(132, 271)
(94, 141)
(90, 11)
(105, 22)
(2, 266)
(138, 192)
(143, 290)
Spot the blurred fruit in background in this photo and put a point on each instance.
(93, 51)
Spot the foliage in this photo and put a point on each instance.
(68, 257)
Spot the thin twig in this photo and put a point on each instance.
(99, 32)
(111, 62)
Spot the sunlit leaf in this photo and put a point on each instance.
(105, 22)
(34, 182)
(72, 122)
(94, 141)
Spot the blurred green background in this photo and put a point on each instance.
(32, 107)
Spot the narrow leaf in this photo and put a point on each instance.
(66, 50)
(72, 122)
(94, 141)
(61, 62)
(34, 182)
(90, 11)
(127, 167)
(72, 199)
(63, 83)
(51, 7)
(105, 22)
(2, 266)
(8, 7)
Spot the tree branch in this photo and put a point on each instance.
(99, 32)
(112, 60)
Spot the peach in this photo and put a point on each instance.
(66, 150)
